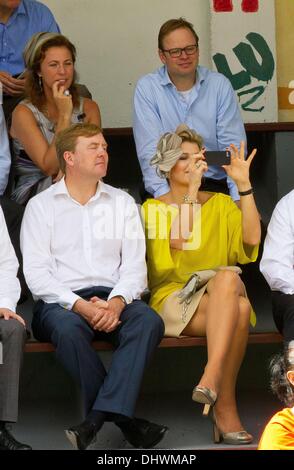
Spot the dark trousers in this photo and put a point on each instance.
(134, 340)
(283, 312)
(13, 214)
(13, 336)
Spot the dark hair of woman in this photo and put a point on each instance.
(279, 366)
(34, 56)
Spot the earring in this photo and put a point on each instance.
(40, 83)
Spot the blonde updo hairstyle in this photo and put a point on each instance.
(169, 148)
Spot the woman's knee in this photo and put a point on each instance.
(226, 282)
(244, 313)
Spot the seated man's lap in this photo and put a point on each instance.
(51, 317)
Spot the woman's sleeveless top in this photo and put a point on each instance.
(29, 179)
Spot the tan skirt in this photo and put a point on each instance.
(176, 316)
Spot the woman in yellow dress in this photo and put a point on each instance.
(188, 230)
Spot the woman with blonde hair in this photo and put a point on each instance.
(194, 240)
(52, 104)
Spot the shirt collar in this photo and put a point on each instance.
(201, 74)
(165, 79)
(20, 10)
(61, 188)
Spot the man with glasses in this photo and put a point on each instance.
(181, 91)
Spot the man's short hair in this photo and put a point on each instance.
(170, 26)
(66, 140)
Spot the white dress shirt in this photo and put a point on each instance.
(9, 284)
(277, 264)
(5, 159)
(67, 246)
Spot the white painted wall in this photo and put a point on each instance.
(117, 43)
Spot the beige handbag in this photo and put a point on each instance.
(198, 280)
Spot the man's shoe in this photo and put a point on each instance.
(82, 435)
(7, 441)
(142, 433)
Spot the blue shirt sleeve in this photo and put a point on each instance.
(48, 21)
(148, 129)
(5, 159)
(229, 127)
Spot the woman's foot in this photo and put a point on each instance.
(228, 428)
(227, 419)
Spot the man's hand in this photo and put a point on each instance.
(100, 314)
(12, 86)
(107, 318)
(8, 314)
(63, 102)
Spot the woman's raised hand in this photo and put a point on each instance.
(197, 167)
(238, 169)
(63, 101)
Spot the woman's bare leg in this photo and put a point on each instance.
(226, 408)
(223, 316)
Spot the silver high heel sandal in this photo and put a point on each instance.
(233, 438)
(206, 396)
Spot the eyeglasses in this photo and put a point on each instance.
(177, 52)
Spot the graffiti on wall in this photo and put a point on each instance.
(243, 48)
(262, 70)
(248, 6)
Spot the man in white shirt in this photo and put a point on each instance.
(84, 262)
(277, 264)
(12, 339)
(13, 212)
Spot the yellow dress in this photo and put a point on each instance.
(216, 240)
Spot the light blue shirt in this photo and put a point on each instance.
(29, 18)
(211, 110)
(5, 160)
